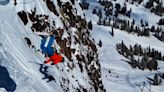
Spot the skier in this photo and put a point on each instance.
(47, 48)
(43, 70)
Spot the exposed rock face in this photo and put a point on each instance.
(78, 46)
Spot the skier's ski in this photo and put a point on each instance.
(40, 64)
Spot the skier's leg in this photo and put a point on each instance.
(62, 59)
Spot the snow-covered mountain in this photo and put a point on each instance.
(20, 60)
(118, 75)
(88, 67)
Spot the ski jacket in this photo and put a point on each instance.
(56, 58)
(46, 45)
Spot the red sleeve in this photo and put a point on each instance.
(56, 61)
(48, 61)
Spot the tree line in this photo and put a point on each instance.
(115, 22)
(129, 26)
(142, 58)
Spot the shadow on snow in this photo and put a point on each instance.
(4, 2)
(5, 81)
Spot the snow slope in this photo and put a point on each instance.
(18, 55)
(20, 60)
(117, 75)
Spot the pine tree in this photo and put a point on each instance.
(112, 33)
(144, 61)
(146, 32)
(123, 10)
(142, 25)
(162, 36)
(136, 49)
(99, 1)
(99, 22)
(140, 50)
(73, 1)
(90, 25)
(157, 80)
(152, 28)
(124, 49)
(100, 43)
(117, 7)
(161, 21)
(149, 4)
(99, 13)
(133, 22)
(108, 12)
(154, 64)
(128, 14)
(133, 61)
(140, 1)
(94, 11)
(146, 24)
(104, 22)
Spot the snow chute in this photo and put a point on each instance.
(46, 45)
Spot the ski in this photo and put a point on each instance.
(41, 64)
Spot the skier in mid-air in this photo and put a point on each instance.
(47, 48)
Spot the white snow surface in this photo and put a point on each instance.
(20, 60)
(122, 78)
(18, 57)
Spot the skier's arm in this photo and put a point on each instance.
(55, 62)
(47, 61)
(59, 58)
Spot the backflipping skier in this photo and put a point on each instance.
(46, 46)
